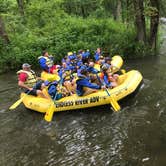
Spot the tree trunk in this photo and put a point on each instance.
(140, 21)
(3, 33)
(119, 10)
(127, 12)
(21, 6)
(154, 23)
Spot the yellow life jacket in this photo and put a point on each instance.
(31, 80)
(67, 75)
(97, 66)
(49, 62)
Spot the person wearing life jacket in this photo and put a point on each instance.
(71, 56)
(101, 60)
(108, 61)
(46, 63)
(84, 86)
(53, 90)
(85, 56)
(28, 81)
(72, 61)
(72, 65)
(79, 61)
(93, 72)
(91, 68)
(106, 77)
(97, 55)
(68, 77)
(83, 67)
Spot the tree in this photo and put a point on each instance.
(119, 10)
(3, 33)
(154, 23)
(140, 20)
(21, 6)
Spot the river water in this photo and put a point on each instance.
(135, 136)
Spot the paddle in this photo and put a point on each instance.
(113, 102)
(18, 102)
(49, 113)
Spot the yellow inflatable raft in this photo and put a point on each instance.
(49, 77)
(128, 83)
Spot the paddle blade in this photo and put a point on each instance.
(17, 103)
(49, 114)
(115, 104)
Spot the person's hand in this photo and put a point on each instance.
(30, 89)
(113, 84)
(103, 87)
(64, 75)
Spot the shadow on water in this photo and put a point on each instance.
(135, 136)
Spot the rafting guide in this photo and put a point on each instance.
(29, 82)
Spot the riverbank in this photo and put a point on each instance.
(113, 37)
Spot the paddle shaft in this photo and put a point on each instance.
(18, 102)
(113, 102)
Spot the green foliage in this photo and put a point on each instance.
(80, 7)
(61, 26)
(162, 8)
(151, 11)
(6, 5)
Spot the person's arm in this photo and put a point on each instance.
(86, 83)
(22, 85)
(93, 70)
(22, 78)
(39, 78)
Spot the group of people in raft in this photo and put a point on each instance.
(77, 75)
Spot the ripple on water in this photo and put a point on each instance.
(96, 137)
(97, 144)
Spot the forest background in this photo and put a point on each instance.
(125, 27)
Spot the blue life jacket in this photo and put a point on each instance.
(52, 90)
(79, 63)
(106, 81)
(97, 56)
(92, 70)
(85, 55)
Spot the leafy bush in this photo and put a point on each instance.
(47, 26)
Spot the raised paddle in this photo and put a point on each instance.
(18, 102)
(116, 107)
